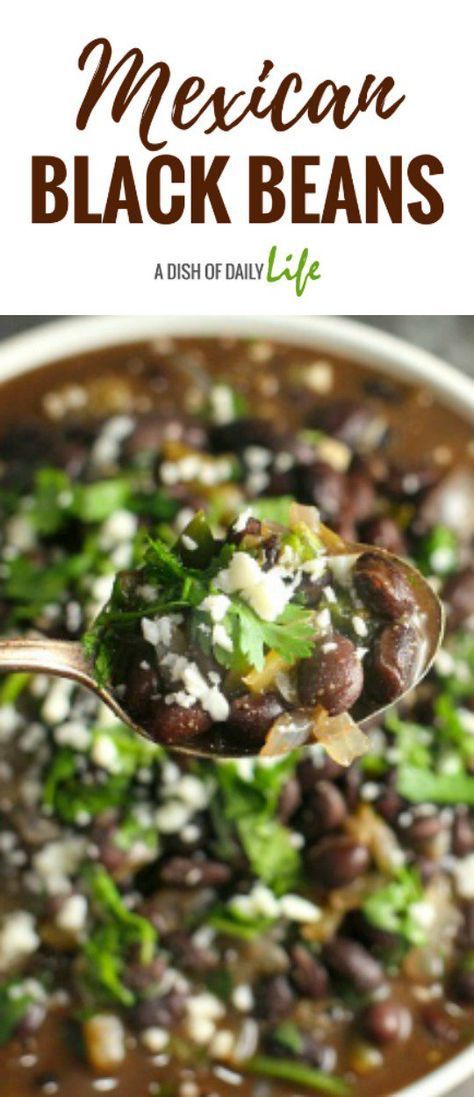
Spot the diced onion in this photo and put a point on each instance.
(308, 516)
(340, 736)
(259, 681)
(289, 731)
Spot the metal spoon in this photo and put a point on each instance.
(67, 659)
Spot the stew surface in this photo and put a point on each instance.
(191, 928)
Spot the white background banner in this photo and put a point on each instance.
(68, 267)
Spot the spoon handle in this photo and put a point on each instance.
(62, 658)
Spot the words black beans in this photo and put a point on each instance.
(354, 963)
(332, 676)
(172, 723)
(392, 663)
(387, 1021)
(252, 715)
(383, 586)
(335, 862)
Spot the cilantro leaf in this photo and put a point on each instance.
(423, 786)
(389, 908)
(14, 1003)
(292, 635)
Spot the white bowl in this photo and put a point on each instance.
(64, 338)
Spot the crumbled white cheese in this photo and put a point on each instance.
(318, 376)
(342, 567)
(221, 404)
(18, 938)
(216, 605)
(423, 913)
(259, 901)
(221, 638)
(242, 998)
(191, 790)
(104, 753)
(196, 688)
(464, 876)
(298, 909)
(171, 817)
(205, 1004)
(359, 625)
(188, 543)
(72, 914)
(222, 1045)
(57, 704)
(201, 1030)
(120, 526)
(20, 533)
(106, 448)
(9, 722)
(155, 1039)
(73, 734)
(265, 591)
(57, 862)
(256, 457)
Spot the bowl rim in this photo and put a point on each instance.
(66, 337)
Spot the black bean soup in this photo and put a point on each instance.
(269, 927)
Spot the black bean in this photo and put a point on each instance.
(387, 1021)
(458, 594)
(360, 495)
(253, 714)
(307, 973)
(439, 1024)
(194, 872)
(336, 861)
(332, 678)
(383, 585)
(162, 1012)
(152, 430)
(466, 932)
(274, 998)
(462, 833)
(252, 528)
(389, 804)
(354, 963)
(47, 1082)
(142, 684)
(345, 419)
(423, 829)
(172, 723)
(308, 772)
(385, 534)
(463, 985)
(189, 955)
(236, 436)
(392, 663)
(380, 941)
(324, 809)
(142, 976)
(324, 487)
(290, 800)
(409, 482)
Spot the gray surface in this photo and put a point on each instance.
(451, 337)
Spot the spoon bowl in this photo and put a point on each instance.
(68, 659)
